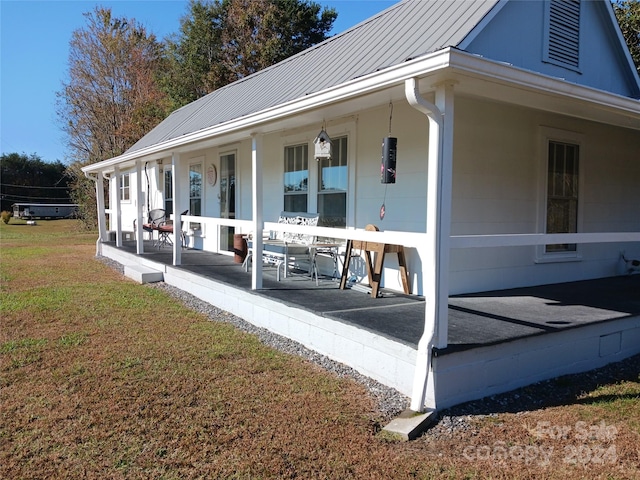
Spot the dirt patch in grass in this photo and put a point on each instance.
(104, 378)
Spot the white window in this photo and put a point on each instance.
(560, 191)
(296, 178)
(332, 185)
(168, 191)
(125, 187)
(195, 189)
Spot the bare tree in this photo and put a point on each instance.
(111, 98)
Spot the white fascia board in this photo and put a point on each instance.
(507, 74)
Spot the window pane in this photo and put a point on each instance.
(295, 203)
(332, 208)
(332, 186)
(296, 178)
(168, 192)
(195, 189)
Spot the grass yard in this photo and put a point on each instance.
(103, 378)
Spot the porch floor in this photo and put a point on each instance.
(475, 320)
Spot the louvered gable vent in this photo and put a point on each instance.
(563, 33)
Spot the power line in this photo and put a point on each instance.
(18, 198)
(31, 186)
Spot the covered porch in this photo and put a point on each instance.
(496, 341)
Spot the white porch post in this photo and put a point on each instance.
(116, 175)
(435, 262)
(139, 205)
(445, 102)
(177, 208)
(256, 207)
(102, 219)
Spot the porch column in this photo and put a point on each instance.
(177, 208)
(116, 175)
(257, 149)
(102, 215)
(435, 255)
(445, 102)
(139, 205)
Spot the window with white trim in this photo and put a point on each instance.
(332, 185)
(562, 192)
(168, 191)
(125, 187)
(296, 178)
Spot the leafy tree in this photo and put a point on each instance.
(194, 54)
(628, 14)
(112, 97)
(222, 41)
(27, 178)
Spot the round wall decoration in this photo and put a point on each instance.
(212, 175)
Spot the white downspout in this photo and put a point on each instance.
(423, 377)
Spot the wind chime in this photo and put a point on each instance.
(388, 164)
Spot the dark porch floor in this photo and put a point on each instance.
(475, 320)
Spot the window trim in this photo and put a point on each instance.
(122, 188)
(550, 134)
(310, 180)
(320, 192)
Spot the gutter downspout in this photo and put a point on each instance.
(423, 376)
(102, 224)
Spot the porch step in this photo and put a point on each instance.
(143, 274)
(409, 424)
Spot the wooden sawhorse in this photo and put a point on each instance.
(374, 271)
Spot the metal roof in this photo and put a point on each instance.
(407, 30)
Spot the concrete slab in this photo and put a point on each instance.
(409, 424)
(143, 274)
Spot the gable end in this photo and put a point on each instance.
(562, 33)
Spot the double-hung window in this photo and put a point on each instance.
(562, 193)
(168, 191)
(125, 187)
(332, 185)
(296, 178)
(195, 193)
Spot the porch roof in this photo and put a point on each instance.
(405, 31)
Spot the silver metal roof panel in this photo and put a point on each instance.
(407, 30)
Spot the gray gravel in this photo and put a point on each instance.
(390, 402)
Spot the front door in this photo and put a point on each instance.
(227, 198)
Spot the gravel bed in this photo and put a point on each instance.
(390, 402)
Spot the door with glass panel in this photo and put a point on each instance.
(227, 198)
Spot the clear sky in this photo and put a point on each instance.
(34, 42)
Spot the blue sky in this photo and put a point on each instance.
(34, 47)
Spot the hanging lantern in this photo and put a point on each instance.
(323, 146)
(388, 166)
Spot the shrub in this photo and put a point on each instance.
(6, 216)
